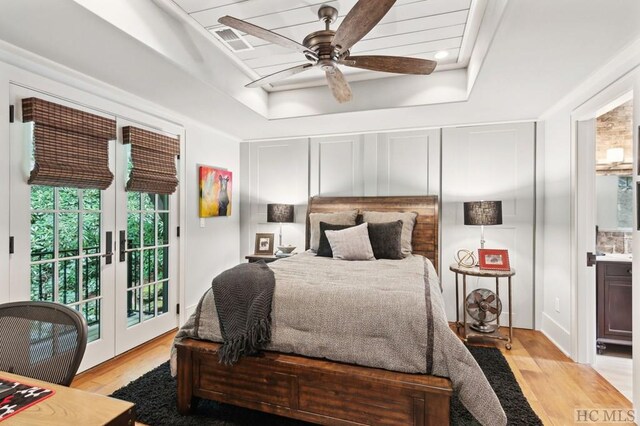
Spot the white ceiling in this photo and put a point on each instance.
(540, 52)
(416, 28)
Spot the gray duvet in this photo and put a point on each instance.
(385, 314)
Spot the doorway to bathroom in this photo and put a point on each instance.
(614, 225)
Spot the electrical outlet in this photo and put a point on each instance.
(557, 304)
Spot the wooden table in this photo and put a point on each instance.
(70, 406)
(487, 273)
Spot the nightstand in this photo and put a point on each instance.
(267, 258)
(477, 272)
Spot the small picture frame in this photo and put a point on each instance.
(495, 259)
(264, 244)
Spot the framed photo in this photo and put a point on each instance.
(494, 259)
(264, 244)
(215, 191)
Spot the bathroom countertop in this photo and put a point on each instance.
(615, 257)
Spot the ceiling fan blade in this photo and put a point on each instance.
(339, 85)
(473, 306)
(490, 298)
(493, 310)
(477, 296)
(265, 34)
(359, 21)
(482, 315)
(279, 75)
(396, 64)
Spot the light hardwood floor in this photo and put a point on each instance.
(554, 385)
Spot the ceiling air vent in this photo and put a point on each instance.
(232, 39)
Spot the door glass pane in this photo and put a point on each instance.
(42, 236)
(163, 291)
(42, 281)
(68, 283)
(163, 228)
(41, 198)
(133, 201)
(133, 271)
(68, 199)
(148, 202)
(91, 199)
(91, 277)
(68, 236)
(163, 265)
(91, 233)
(163, 202)
(149, 266)
(91, 311)
(148, 301)
(149, 231)
(133, 307)
(133, 230)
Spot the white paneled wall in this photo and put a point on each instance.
(491, 163)
(471, 163)
(276, 172)
(336, 166)
(408, 163)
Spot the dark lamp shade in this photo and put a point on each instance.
(282, 213)
(483, 213)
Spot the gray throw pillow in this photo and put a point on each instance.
(351, 243)
(408, 221)
(324, 248)
(347, 217)
(386, 239)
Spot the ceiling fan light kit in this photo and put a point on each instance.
(327, 48)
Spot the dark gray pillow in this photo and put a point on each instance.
(324, 248)
(386, 239)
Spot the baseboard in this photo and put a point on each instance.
(557, 334)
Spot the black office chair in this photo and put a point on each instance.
(42, 340)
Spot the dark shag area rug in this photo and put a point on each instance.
(155, 397)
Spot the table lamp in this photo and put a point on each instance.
(280, 213)
(483, 213)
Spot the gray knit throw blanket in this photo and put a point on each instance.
(243, 297)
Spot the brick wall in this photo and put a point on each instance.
(615, 130)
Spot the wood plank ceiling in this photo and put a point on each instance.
(416, 28)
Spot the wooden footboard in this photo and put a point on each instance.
(309, 389)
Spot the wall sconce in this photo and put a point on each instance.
(615, 155)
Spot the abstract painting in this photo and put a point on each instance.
(215, 191)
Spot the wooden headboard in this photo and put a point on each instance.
(425, 232)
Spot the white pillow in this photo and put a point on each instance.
(347, 217)
(351, 243)
(408, 221)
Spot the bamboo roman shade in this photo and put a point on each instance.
(154, 161)
(71, 146)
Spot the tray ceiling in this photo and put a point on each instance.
(416, 28)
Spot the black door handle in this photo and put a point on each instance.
(108, 246)
(123, 246)
(591, 259)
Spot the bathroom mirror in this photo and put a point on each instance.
(614, 203)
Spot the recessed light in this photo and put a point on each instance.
(441, 54)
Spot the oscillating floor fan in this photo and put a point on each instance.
(483, 306)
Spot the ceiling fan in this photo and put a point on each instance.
(328, 48)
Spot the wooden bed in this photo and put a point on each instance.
(320, 391)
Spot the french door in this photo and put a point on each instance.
(110, 254)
